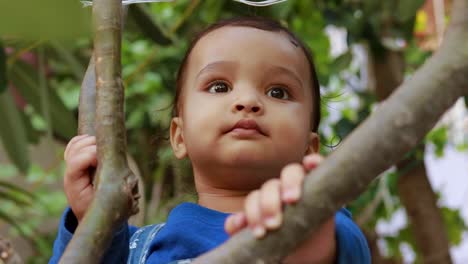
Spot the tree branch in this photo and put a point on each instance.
(116, 186)
(87, 105)
(397, 126)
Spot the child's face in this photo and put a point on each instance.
(256, 79)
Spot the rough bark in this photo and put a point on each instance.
(396, 127)
(413, 181)
(116, 186)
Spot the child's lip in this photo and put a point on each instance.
(247, 124)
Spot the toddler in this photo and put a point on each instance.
(247, 110)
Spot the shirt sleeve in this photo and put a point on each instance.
(352, 247)
(117, 252)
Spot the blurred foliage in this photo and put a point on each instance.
(46, 51)
(3, 80)
(30, 210)
(45, 19)
(438, 137)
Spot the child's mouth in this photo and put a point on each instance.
(241, 132)
(246, 128)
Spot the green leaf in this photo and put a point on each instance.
(5, 217)
(146, 24)
(8, 170)
(438, 137)
(393, 246)
(342, 62)
(454, 223)
(12, 197)
(283, 10)
(344, 127)
(32, 134)
(69, 58)
(13, 133)
(3, 76)
(407, 9)
(26, 80)
(12, 187)
(462, 147)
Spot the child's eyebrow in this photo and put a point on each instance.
(218, 64)
(276, 70)
(271, 70)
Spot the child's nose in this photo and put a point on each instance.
(255, 109)
(249, 104)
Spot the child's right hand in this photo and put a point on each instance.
(263, 212)
(80, 155)
(263, 207)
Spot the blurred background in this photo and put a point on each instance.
(363, 49)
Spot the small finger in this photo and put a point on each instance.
(311, 162)
(81, 162)
(235, 222)
(82, 143)
(270, 204)
(79, 145)
(253, 215)
(291, 178)
(71, 142)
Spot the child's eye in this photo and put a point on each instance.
(278, 92)
(219, 87)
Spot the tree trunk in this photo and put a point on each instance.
(426, 220)
(397, 126)
(116, 196)
(386, 72)
(389, 71)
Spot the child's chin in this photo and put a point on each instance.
(246, 156)
(250, 160)
(249, 149)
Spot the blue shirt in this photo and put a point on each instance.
(192, 230)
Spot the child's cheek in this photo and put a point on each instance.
(293, 133)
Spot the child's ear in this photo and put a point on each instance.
(177, 138)
(314, 143)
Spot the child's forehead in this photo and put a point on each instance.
(247, 43)
(232, 36)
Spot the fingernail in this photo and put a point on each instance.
(259, 231)
(291, 195)
(273, 222)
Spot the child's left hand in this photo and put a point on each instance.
(263, 212)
